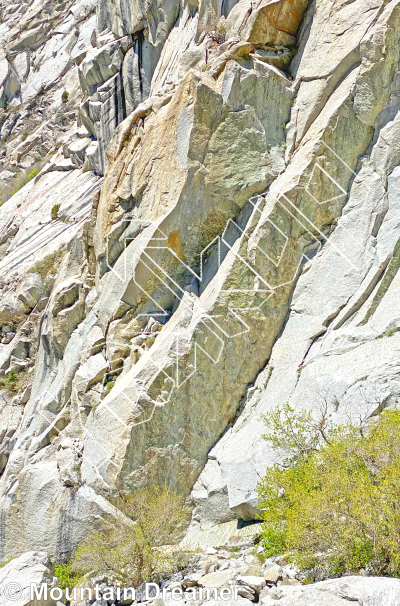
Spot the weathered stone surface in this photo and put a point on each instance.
(266, 22)
(242, 251)
(255, 583)
(272, 574)
(100, 64)
(223, 534)
(339, 592)
(215, 579)
(324, 321)
(16, 578)
(92, 371)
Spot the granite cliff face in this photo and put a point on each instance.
(213, 231)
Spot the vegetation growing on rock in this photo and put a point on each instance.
(14, 380)
(54, 211)
(134, 549)
(334, 506)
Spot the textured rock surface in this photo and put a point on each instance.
(338, 592)
(240, 252)
(16, 577)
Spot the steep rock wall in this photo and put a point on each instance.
(241, 252)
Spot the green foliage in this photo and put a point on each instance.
(34, 172)
(5, 103)
(11, 377)
(24, 136)
(68, 579)
(54, 211)
(295, 434)
(134, 548)
(64, 97)
(261, 557)
(108, 388)
(14, 380)
(19, 181)
(336, 507)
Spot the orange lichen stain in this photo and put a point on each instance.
(175, 243)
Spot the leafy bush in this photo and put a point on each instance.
(64, 97)
(335, 507)
(14, 380)
(67, 578)
(54, 211)
(133, 550)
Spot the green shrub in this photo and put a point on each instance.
(68, 579)
(108, 387)
(24, 136)
(14, 380)
(54, 211)
(335, 507)
(5, 103)
(64, 97)
(133, 548)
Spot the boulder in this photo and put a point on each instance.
(30, 290)
(255, 583)
(374, 591)
(215, 579)
(229, 534)
(272, 574)
(17, 576)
